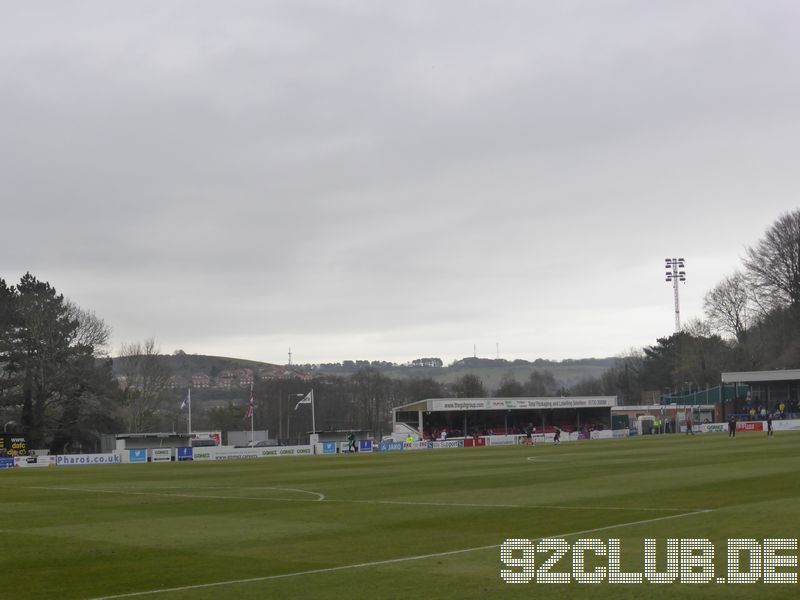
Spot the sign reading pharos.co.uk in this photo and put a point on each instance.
(76, 460)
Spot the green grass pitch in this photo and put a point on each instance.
(424, 524)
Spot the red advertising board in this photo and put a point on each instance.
(750, 426)
(474, 441)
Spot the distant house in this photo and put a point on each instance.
(245, 377)
(231, 378)
(226, 379)
(178, 382)
(201, 380)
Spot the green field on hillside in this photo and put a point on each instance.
(425, 524)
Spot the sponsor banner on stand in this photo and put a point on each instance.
(208, 435)
(161, 455)
(137, 455)
(328, 447)
(184, 453)
(77, 460)
(365, 445)
(460, 404)
(6, 462)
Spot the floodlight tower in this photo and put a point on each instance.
(675, 273)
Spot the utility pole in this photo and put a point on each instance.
(675, 273)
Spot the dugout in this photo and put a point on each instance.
(461, 417)
(141, 441)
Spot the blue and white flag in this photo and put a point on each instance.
(188, 400)
(306, 400)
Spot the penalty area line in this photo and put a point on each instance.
(378, 563)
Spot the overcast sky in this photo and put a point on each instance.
(391, 180)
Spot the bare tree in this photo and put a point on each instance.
(773, 264)
(146, 379)
(730, 306)
(92, 331)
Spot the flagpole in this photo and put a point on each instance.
(190, 412)
(313, 420)
(252, 411)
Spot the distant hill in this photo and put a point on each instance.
(491, 371)
(186, 365)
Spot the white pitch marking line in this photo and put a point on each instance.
(390, 502)
(382, 562)
(320, 497)
(554, 506)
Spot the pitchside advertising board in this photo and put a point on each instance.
(161, 455)
(137, 455)
(201, 454)
(34, 461)
(13, 444)
(778, 425)
(80, 460)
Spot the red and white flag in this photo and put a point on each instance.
(250, 407)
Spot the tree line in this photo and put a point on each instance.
(751, 322)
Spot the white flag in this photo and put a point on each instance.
(188, 400)
(306, 400)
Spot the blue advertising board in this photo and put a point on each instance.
(390, 446)
(6, 462)
(329, 447)
(365, 445)
(137, 455)
(184, 453)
